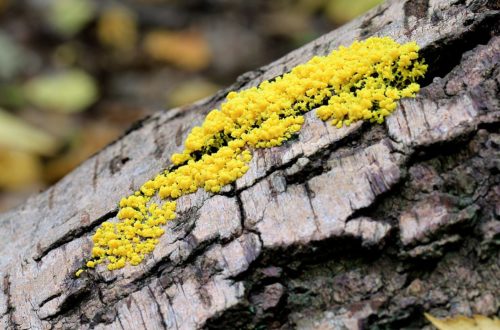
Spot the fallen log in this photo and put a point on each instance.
(363, 226)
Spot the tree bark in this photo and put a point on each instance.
(367, 226)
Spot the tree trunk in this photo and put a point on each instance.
(367, 226)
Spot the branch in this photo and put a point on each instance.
(365, 225)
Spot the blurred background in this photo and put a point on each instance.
(74, 74)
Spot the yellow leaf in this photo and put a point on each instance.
(117, 28)
(18, 169)
(459, 322)
(17, 134)
(186, 49)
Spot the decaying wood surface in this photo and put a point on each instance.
(367, 226)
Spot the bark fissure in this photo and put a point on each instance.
(158, 308)
(9, 306)
(446, 54)
(73, 234)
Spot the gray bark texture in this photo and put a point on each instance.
(367, 226)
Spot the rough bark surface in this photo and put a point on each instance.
(360, 227)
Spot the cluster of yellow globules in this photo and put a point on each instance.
(359, 82)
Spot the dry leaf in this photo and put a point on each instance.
(67, 91)
(17, 134)
(289, 23)
(188, 50)
(18, 169)
(93, 137)
(341, 11)
(459, 322)
(191, 91)
(3, 5)
(117, 28)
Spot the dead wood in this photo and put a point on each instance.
(367, 226)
